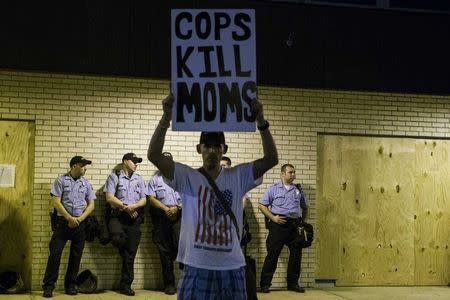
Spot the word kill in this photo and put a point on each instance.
(183, 59)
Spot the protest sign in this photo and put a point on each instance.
(213, 69)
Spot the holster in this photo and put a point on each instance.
(54, 219)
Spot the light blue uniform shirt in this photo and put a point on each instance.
(284, 201)
(161, 191)
(130, 189)
(74, 194)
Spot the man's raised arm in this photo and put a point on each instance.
(270, 158)
(154, 154)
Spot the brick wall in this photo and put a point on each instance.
(104, 117)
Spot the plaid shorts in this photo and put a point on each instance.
(203, 284)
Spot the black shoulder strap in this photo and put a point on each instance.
(222, 201)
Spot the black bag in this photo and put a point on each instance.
(92, 228)
(87, 282)
(305, 234)
(10, 282)
(250, 263)
(250, 277)
(104, 237)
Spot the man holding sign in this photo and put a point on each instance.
(209, 246)
(214, 89)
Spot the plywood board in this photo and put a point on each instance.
(328, 204)
(17, 148)
(432, 213)
(377, 252)
(382, 231)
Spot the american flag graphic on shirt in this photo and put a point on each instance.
(213, 224)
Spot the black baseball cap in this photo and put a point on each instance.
(131, 156)
(79, 160)
(212, 138)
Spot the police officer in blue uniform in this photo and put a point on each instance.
(166, 216)
(73, 201)
(125, 191)
(288, 209)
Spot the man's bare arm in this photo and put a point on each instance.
(89, 209)
(154, 154)
(270, 158)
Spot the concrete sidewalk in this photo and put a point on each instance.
(336, 293)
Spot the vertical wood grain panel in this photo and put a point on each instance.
(16, 147)
(392, 214)
(329, 166)
(432, 205)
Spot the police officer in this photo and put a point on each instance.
(288, 208)
(73, 201)
(166, 215)
(125, 191)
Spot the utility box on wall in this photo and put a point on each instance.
(383, 210)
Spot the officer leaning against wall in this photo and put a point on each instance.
(126, 193)
(73, 200)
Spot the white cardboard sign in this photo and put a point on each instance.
(213, 69)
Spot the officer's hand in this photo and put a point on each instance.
(279, 219)
(133, 214)
(73, 222)
(171, 211)
(168, 212)
(130, 209)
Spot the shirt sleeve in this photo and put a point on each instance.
(57, 187)
(111, 184)
(151, 187)
(255, 182)
(90, 194)
(266, 199)
(143, 188)
(180, 179)
(245, 171)
(304, 202)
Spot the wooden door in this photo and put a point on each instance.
(17, 154)
(432, 214)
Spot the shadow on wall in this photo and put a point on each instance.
(105, 261)
(15, 241)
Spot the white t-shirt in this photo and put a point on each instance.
(208, 237)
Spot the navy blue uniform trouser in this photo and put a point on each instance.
(166, 234)
(280, 235)
(60, 236)
(126, 235)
